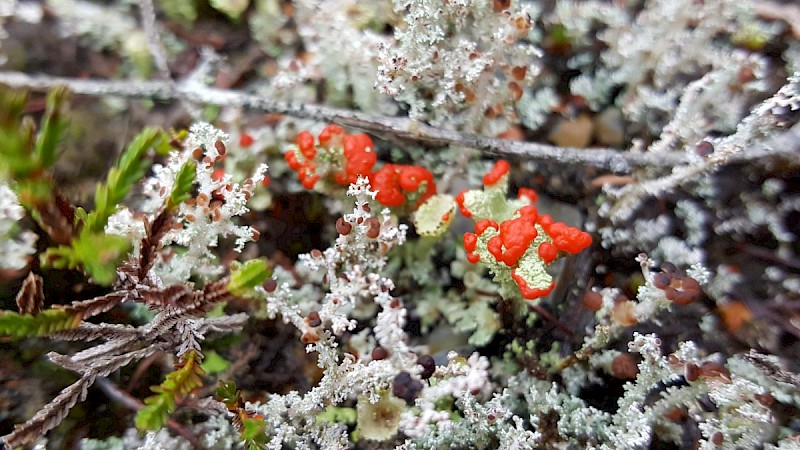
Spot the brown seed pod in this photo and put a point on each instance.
(343, 227)
(624, 367)
(766, 399)
(270, 285)
(691, 372)
(704, 149)
(313, 320)
(309, 338)
(624, 313)
(675, 415)
(592, 300)
(516, 91)
(428, 366)
(379, 353)
(500, 5)
(220, 146)
(519, 72)
(662, 280)
(374, 227)
(715, 371)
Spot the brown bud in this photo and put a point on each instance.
(366, 207)
(516, 91)
(309, 338)
(519, 72)
(202, 200)
(624, 313)
(717, 438)
(766, 399)
(668, 267)
(270, 285)
(675, 415)
(428, 366)
(662, 280)
(704, 149)
(316, 253)
(220, 146)
(374, 227)
(624, 367)
(343, 227)
(691, 372)
(379, 353)
(500, 5)
(592, 300)
(313, 320)
(715, 371)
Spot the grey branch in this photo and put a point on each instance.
(397, 127)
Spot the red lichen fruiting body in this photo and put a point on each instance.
(528, 292)
(499, 169)
(483, 224)
(547, 252)
(530, 194)
(245, 140)
(460, 202)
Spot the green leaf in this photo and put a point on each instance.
(228, 394)
(246, 276)
(178, 383)
(98, 254)
(54, 126)
(184, 181)
(254, 433)
(131, 168)
(27, 325)
(231, 8)
(338, 414)
(213, 363)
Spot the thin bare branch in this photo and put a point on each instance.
(397, 127)
(118, 395)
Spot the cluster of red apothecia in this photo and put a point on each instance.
(517, 234)
(351, 155)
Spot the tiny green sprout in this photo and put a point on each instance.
(245, 277)
(178, 383)
(26, 325)
(182, 188)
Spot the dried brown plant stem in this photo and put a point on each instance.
(396, 127)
